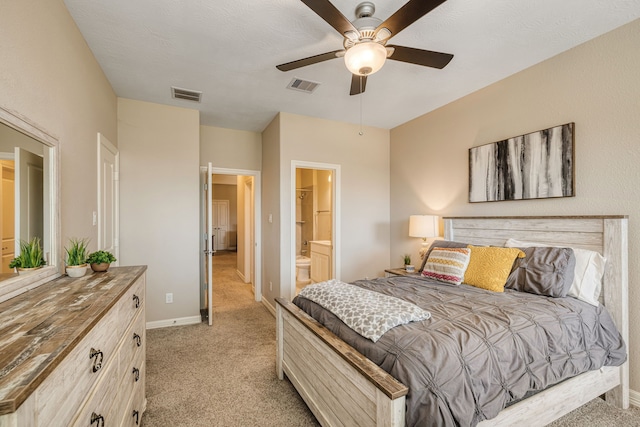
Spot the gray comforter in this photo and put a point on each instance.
(480, 350)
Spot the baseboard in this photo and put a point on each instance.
(241, 276)
(270, 307)
(181, 321)
(634, 398)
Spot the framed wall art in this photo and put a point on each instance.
(537, 165)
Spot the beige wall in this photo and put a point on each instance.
(245, 254)
(159, 203)
(230, 149)
(49, 75)
(271, 270)
(364, 165)
(595, 85)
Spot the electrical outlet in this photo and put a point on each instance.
(270, 286)
(168, 298)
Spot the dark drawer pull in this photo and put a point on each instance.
(137, 339)
(136, 415)
(136, 299)
(97, 357)
(136, 374)
(97, 419)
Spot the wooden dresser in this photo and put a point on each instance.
(72, 352)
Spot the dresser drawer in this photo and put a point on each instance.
(131, 367)
(77, 373)
(130, 304)
(97, 411)
(133, 342)
(132, 416)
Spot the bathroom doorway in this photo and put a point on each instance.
(315, 223)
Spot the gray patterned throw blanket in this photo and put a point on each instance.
(480, 351)
(369, 313)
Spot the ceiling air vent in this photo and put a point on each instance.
(303, 85)
(186, 94)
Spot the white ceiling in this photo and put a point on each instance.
(228, 49)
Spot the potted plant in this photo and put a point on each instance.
(100, 260)
(76, 257)
(30, 257)
(407, 263)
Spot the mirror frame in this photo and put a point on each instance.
(13, 286)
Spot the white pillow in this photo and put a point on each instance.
(587, 282)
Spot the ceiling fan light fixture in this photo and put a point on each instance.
(365, 58)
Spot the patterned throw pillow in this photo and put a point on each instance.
(489, 266)
(447, 264)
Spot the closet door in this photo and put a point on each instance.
(220, 224)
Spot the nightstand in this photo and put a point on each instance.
(390, 272)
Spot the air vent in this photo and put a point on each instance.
(186, 94)
(302, 85)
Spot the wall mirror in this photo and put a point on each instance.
(29, 201)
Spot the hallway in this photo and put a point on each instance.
(221, 375)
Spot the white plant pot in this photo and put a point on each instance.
(76, 270)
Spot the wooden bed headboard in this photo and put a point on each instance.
(604, 234)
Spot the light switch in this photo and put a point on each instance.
(270, 218)
(95, 217)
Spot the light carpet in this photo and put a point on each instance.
(224, 375)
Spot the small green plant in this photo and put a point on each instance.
(30, 255)
(77, 251)
(407, 259)
(101, 257)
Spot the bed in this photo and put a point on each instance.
(343, 387)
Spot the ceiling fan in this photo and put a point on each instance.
(365, 40)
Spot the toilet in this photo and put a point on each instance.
(303, 265)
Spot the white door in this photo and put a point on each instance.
(220, 224)
(209, 252)
(29, 221)
(108, 196)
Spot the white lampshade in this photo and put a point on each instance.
(423, 226)
(365, 58)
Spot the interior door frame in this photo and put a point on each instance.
(336, 223)
(257, 226)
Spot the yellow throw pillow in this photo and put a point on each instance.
(489, 266)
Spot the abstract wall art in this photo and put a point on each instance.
(537, 165)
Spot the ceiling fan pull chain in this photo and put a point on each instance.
(361, 95)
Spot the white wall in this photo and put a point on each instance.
(595, 85)
(159, 203)
(364, 164)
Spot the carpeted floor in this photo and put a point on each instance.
(224, 375)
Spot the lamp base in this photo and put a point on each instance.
(423, 249)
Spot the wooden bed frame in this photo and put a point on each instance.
(342, 387)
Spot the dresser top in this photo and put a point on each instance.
(40, 327)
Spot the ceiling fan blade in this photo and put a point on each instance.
(308, 61)
(408, 14)
(420, 57)
(358, 84)
(331, 14)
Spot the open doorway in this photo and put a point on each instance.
(315, 227)
(235, 232)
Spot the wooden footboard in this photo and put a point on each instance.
(340, 386)
(343, 388)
